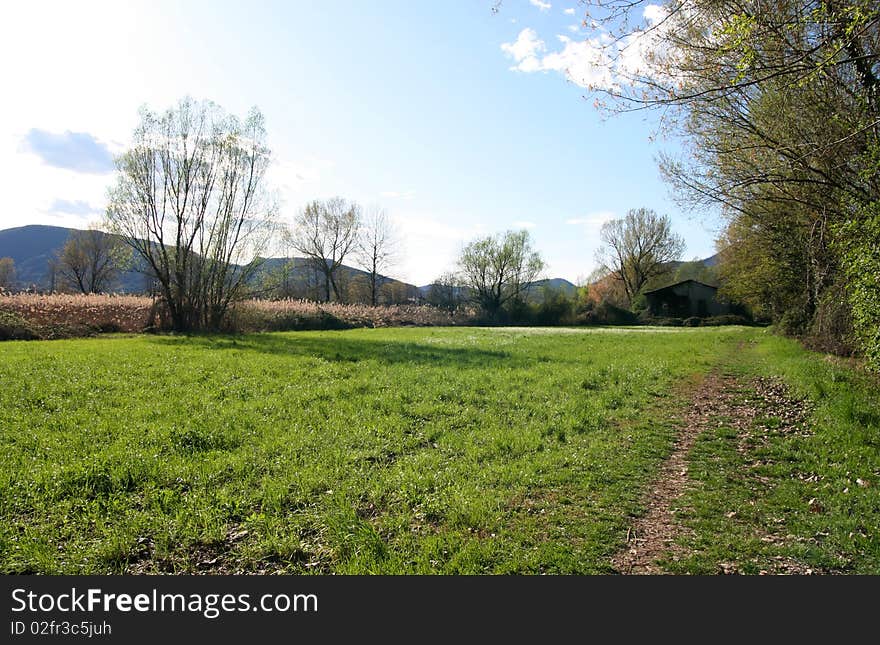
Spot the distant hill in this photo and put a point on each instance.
(536, 290)
(32, 247)
(540, 287)
(711, 261)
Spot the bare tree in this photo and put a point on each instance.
(190, 202)
(637, 248)
(498, 269)
(53, 270)
(91, 260)
(7, 274)
(326, 232)
(377, 249)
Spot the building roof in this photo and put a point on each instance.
(675, 284)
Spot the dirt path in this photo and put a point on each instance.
(652, 536)
(719, 399)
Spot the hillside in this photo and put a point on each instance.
(31, 248)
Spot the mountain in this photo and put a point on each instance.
(32, 247)
(536, 291)
(711, 261)
(539, 288)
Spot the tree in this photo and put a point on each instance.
(447, 291)
(326, 232)
(190, 201)
(7, 274)
(637, 248)
(601, 287)
(377, 249)
(91, 260)
(498, 269)
(779, 106)
(696, 270)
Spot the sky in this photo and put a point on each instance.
(459, 121)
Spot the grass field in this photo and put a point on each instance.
(438, 450)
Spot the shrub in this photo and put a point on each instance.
(725, 319)
(605, 313)
(299, 315)
(14, 327)
(693, 321)
(646, 318)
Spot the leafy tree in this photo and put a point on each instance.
(696, 270)
(92, 260)
(637, 248)
(447, 291)
(779, 107)
(326, 232)
(190, 201)
(859, 243)
(498, 269)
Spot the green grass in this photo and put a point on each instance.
(752, 509)
(437, 450)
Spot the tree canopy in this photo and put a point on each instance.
(498, 268)
(191, 203)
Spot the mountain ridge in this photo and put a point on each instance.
(32, 247)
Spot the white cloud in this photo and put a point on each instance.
(524, 224)
(543, 6)
(569, 11)
(655, 14)
(584, 63)
(76, 207)
(525, 50)
(394, 194)
(599, 62)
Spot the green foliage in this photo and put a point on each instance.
(859, 241)
(606, 313)
(638, 248)
(696, 270)
(14, 327)
(726, 319)
(639, 303)
(496, 269)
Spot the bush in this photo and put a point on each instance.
(693, 321)
(606, 314)
(14, 327)
(557, 309)
(725, 319)
(300, 315)
(857, 242)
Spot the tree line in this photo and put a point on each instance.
(778, 105)
(190, 210)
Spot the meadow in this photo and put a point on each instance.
(420, 450)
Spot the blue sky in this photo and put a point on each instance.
(459, 122)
